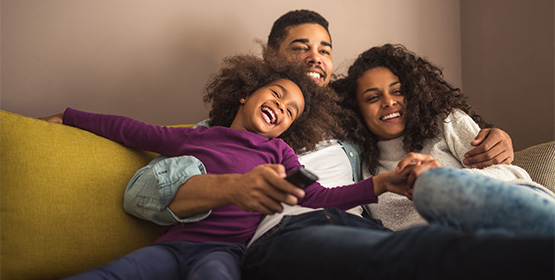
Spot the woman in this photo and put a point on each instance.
(414, 119)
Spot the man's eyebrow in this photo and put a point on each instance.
(306, 41)
(324, 43)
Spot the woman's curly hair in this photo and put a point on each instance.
(427, 97)
(240, 76)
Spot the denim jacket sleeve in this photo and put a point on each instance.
(153, 187)
(353, 153)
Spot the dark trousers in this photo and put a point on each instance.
(174, 260)
(331, 244)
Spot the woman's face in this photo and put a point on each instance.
(381, 103)
(271, 109)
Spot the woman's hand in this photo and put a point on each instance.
(414, 164)
(58, 118)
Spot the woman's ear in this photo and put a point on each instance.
(243, 100)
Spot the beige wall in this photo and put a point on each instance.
(151, 59)
(508, 65)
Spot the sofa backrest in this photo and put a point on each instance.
(62, 199)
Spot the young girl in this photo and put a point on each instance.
(407, 107)
(253, 102)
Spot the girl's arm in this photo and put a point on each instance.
(130, 132)
(349, 196)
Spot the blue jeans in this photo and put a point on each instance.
(332, 244)
(472, 202)
(174, 260)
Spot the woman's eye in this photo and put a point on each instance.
(372, 98)
(398, 92)
(325, 52)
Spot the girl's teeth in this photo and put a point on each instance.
(270, 117)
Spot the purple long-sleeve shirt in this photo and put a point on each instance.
(222, 150)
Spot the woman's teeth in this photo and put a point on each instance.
(391, 116)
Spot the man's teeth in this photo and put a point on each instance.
(314, 75)
(391, 116)
(271, 117)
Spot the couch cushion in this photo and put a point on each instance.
(539, 162)
(62, 199)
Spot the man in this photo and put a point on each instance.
(312, 243)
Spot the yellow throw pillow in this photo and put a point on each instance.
(62, 199)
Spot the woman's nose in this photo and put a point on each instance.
(389, 101)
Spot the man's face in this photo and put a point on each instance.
(310, 44)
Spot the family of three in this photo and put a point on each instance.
(229, 214)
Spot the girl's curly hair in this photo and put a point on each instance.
(240, 76)
(427, 97)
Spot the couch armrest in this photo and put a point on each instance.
(62, 199)
(539, 162)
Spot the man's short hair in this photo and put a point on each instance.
(280, 29)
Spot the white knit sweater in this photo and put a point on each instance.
(448, 148)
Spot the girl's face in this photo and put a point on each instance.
(271, 109)
(381, 103)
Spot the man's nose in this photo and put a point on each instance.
(313, 57)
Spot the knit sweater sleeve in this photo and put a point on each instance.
(459, 130)
(130, 132)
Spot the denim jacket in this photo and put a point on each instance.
(153, 187)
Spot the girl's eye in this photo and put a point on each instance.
(325, 52)
(275, 93)
(398, 92)
(290, 113)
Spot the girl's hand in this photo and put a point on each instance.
(392, 182)
(58, 118)
(414, 164)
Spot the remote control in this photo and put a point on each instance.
(301, 178)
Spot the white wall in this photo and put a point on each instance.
(150, 60)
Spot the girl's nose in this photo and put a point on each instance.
(280, 106)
